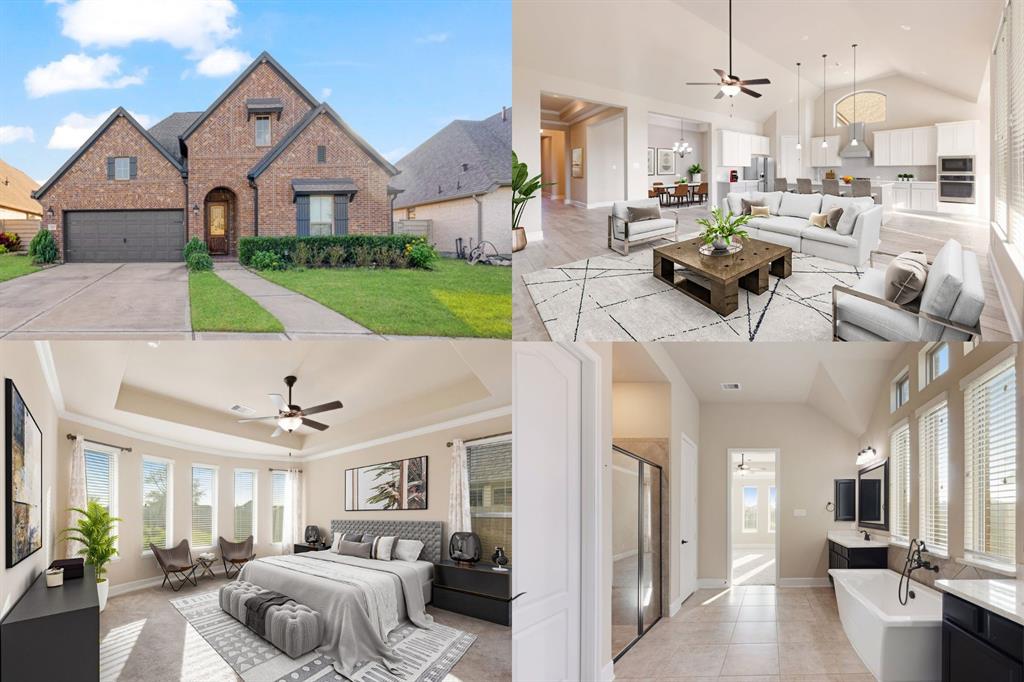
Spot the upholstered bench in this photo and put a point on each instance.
(292, 627)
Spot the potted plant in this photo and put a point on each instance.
(696, 172)
(94, 530)
(721, 229)
(523, 189)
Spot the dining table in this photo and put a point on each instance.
(665, 191)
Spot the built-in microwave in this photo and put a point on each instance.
(956, 164)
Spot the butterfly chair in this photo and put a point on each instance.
(234, 555)
(177, 564)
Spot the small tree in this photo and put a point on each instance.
(94, 530)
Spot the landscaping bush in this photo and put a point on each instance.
(198, 261)
(335, 255)
(43, 247)
(267, 260)
(3, 249)
(10, 240)
(303, 255)
(420, 254)
(195, 245)
(285, 247)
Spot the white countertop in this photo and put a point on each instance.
(853, 540)
(1002, 597)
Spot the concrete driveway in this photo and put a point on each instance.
(98, 300)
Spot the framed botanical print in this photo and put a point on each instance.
(24, 461)
(650, 161)
(577, 162)
(666, 162)
(388, 486)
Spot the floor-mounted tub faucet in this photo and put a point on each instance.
(914, 561)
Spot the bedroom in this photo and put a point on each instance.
(169, 443)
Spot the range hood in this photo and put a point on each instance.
(860, 151)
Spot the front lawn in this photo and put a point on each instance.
(219, 307)
(453, 299)
(15, 265)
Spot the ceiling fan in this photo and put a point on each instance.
(743, 466)
(730, 85)
(289, 416)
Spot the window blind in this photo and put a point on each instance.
(899, 483)
(204, 500)
(278, 490)
(245, 504)
(156, 477)
(1008, 125)
(933, 487)
(489, 467)
(990, 464)
(99, 477)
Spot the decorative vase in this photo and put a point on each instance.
(697, 177)
(102, 588)
(720, 243)
(499, 559)
(518, 239)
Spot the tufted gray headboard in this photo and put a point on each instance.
(428, 532)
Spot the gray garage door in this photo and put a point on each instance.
(123, 236)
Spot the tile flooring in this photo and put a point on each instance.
(753, 565)
(756, 633)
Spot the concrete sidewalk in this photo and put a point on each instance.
(302, 317)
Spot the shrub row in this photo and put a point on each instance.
(334, 251)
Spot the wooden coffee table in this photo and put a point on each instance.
(715, 280)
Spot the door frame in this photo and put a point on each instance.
(728, 506)
(677, 491)
(227, 225)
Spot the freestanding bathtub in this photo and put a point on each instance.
(897, 643)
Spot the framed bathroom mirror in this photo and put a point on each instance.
(873, 496)
(846, 498)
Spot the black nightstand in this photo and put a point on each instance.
(300, 548)
(474, 590)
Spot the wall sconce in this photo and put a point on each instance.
(866, 455)
(195, 209)
(49, 213)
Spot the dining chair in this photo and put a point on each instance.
(652, 193)
(681, 194)
(830, 186)
(803, 186)
(861, 188)
(700, 195)
(781, 185)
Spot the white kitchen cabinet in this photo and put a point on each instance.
(760, 145)
(883, 148)
(735, 148)
(901, 196)
(924, 146)
(902, 148)
(957, 139)
(924, 196)
(744, 150)
(905, 147)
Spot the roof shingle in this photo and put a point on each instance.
(166, 132)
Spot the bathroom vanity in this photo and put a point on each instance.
(982, 630)
(847, 549)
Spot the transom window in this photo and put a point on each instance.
(262, 131)
(936, 361)
(321, 215)
(871, 108)
(901, 390)
(122, 168)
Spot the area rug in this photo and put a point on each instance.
(617, 298)
(427, 655)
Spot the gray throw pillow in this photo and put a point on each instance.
(905, 277)
(359, 549)
(635, 214)
(352, 537)
(368, 538)
(849, 218)
(833, 216)
(746, 204)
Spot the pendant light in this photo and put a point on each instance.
(824, 98)
(798, 146)
(853, 135)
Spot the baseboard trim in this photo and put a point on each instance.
(1009, 308)
(803, 582)
(577, 204)
(674, 606)
(600, 204)
(711, 583)
(608, 672)
(136, 585)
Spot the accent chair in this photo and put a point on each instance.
(234, 555)
(177, 564)
(620, 230)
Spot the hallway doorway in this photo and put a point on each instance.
(753, 521)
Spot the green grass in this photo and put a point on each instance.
(14, 265)
(453, 299)
(219, 307)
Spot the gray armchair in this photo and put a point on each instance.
(234, 555)
(177, 564)
(622, 231)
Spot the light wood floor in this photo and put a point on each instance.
(572, 234)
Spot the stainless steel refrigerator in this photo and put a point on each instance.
(762, 169)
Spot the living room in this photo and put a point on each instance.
(878, 114)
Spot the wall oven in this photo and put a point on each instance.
(956, 164)
(956, 188)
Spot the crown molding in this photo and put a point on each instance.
(49, 369)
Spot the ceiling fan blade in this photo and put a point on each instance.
(257, 419)
(314, 425)
(277, 432)
(333, 405)
(756, 81)
(720, 95)
(750, 92)
(720, 73)
(278, 401)
(703, 83)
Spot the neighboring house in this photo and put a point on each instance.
(461, 180)
(264, 159)
(16, 202)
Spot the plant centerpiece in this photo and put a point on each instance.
(95, 531)
(695, 172)
(523, 189)
(720, 230)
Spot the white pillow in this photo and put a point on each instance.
(383, 546)
(336, 542)
(849, 218)
(830, 201)
(800, 205)
(408, 550)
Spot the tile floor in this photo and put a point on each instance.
(753, 565)
(756, 633)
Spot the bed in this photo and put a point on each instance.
(361, 600)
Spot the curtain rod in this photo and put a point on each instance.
(72, 436)
(273, 469)
(493, 435)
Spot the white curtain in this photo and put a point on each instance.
(458, 491)
(77, 494)
(293, 523)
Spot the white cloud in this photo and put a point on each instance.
(9, 134)
(75, 128)
(433, 38)
(225, 61)
(325, 93)
(396, 154)
(80, 72)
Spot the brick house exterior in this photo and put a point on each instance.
(219, 172)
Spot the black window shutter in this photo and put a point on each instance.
(302, 215)
(110, 168)
(133, 166)
(321, 154)
(340, 214)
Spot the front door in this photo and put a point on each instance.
(217, 227)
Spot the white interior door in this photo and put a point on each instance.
(688, 522)
(546, 496)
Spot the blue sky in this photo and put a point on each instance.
(397, 72)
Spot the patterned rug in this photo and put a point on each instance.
(617, 298)
(427, 655)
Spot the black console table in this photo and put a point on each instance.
(474, 590)
(53, 633)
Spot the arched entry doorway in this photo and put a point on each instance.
(220, 218)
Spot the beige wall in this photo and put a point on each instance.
(641, 410)
(577, 136)
(553, 163)
(664, 137)
(19, 362)
(462, 217)
(813, 451)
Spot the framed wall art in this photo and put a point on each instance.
(666, 162)
(577, 162)
(650, 161)
(388, 486)
(24, 461)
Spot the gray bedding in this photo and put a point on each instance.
(361, 600)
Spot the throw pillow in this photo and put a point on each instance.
(359, 549)
(760, 211)
(849, 218)
(747, 204)
(334, 543)
(382, 547)
(818, 220)
(408, 550)
(635, 214)
(353, 537)
(905, 277)
(834, 215)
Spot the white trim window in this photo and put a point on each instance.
(157, 502)
(899, 482)
(321, 215)
(204, 506)
(900, 390)
(749, 509)
(245, 504)
(262, 131)
(990, 464)
(278, 502)
(936, 361)
(933, 486)
(122, 168)
(101, 477)
(489, 467)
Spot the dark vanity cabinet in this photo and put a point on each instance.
(840, 556)
(979, 645)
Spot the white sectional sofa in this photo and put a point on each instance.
(788, 224)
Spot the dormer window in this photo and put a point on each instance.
(263, 131)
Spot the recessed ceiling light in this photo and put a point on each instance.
(153, 344)
(730, 387)
(904, 27)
